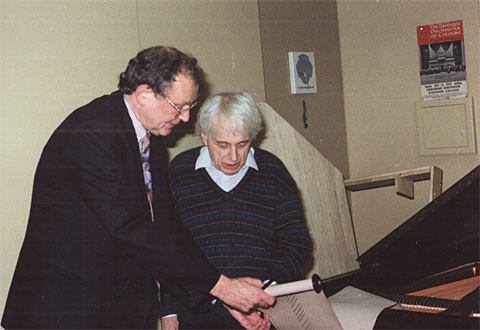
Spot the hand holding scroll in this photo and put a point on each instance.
(243, 293)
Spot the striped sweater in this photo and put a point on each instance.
(257, 229)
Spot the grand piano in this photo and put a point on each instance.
(433, 254)
(436, 248)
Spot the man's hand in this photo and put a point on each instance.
(251, 320)
(170, 323)
(243, 293)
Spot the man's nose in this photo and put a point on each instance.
(233, 153)
(185, 116)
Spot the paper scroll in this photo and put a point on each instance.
(301, 305)
(295, 287)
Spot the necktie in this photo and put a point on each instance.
(147, 175)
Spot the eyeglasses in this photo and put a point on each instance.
(185, 108)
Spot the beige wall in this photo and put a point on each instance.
(381, 85)
(306, 26)
(58, 55)
(223, 35)
(55, 56)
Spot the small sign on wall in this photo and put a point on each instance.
(303, 78)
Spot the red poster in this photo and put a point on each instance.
(443, 32)
(442, 60)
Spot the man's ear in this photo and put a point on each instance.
(204, 138)
(142, 93)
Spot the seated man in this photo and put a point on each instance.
(241, 206)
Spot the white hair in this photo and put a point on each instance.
(236, 109)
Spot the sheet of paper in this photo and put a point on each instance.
(350, 308)
(357, 309)
(306, 310)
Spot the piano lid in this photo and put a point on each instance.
(442, 235)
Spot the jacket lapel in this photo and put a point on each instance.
(132, 150)
(162, 201)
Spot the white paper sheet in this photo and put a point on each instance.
(350, 308)
(357, 309)
(306, 310)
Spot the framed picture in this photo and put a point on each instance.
(303, 79)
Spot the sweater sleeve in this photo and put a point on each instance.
(291, 240)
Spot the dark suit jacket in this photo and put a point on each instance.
(91, 252)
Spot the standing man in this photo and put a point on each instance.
(241, 206)
(97, 240)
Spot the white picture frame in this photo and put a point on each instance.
(303, 77)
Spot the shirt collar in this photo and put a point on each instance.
(140, 131)
(204, 160)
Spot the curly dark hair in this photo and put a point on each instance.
(157, 67)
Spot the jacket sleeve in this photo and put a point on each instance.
(168, 305)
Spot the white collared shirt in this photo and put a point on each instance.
(140, 131)
(226, 182)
